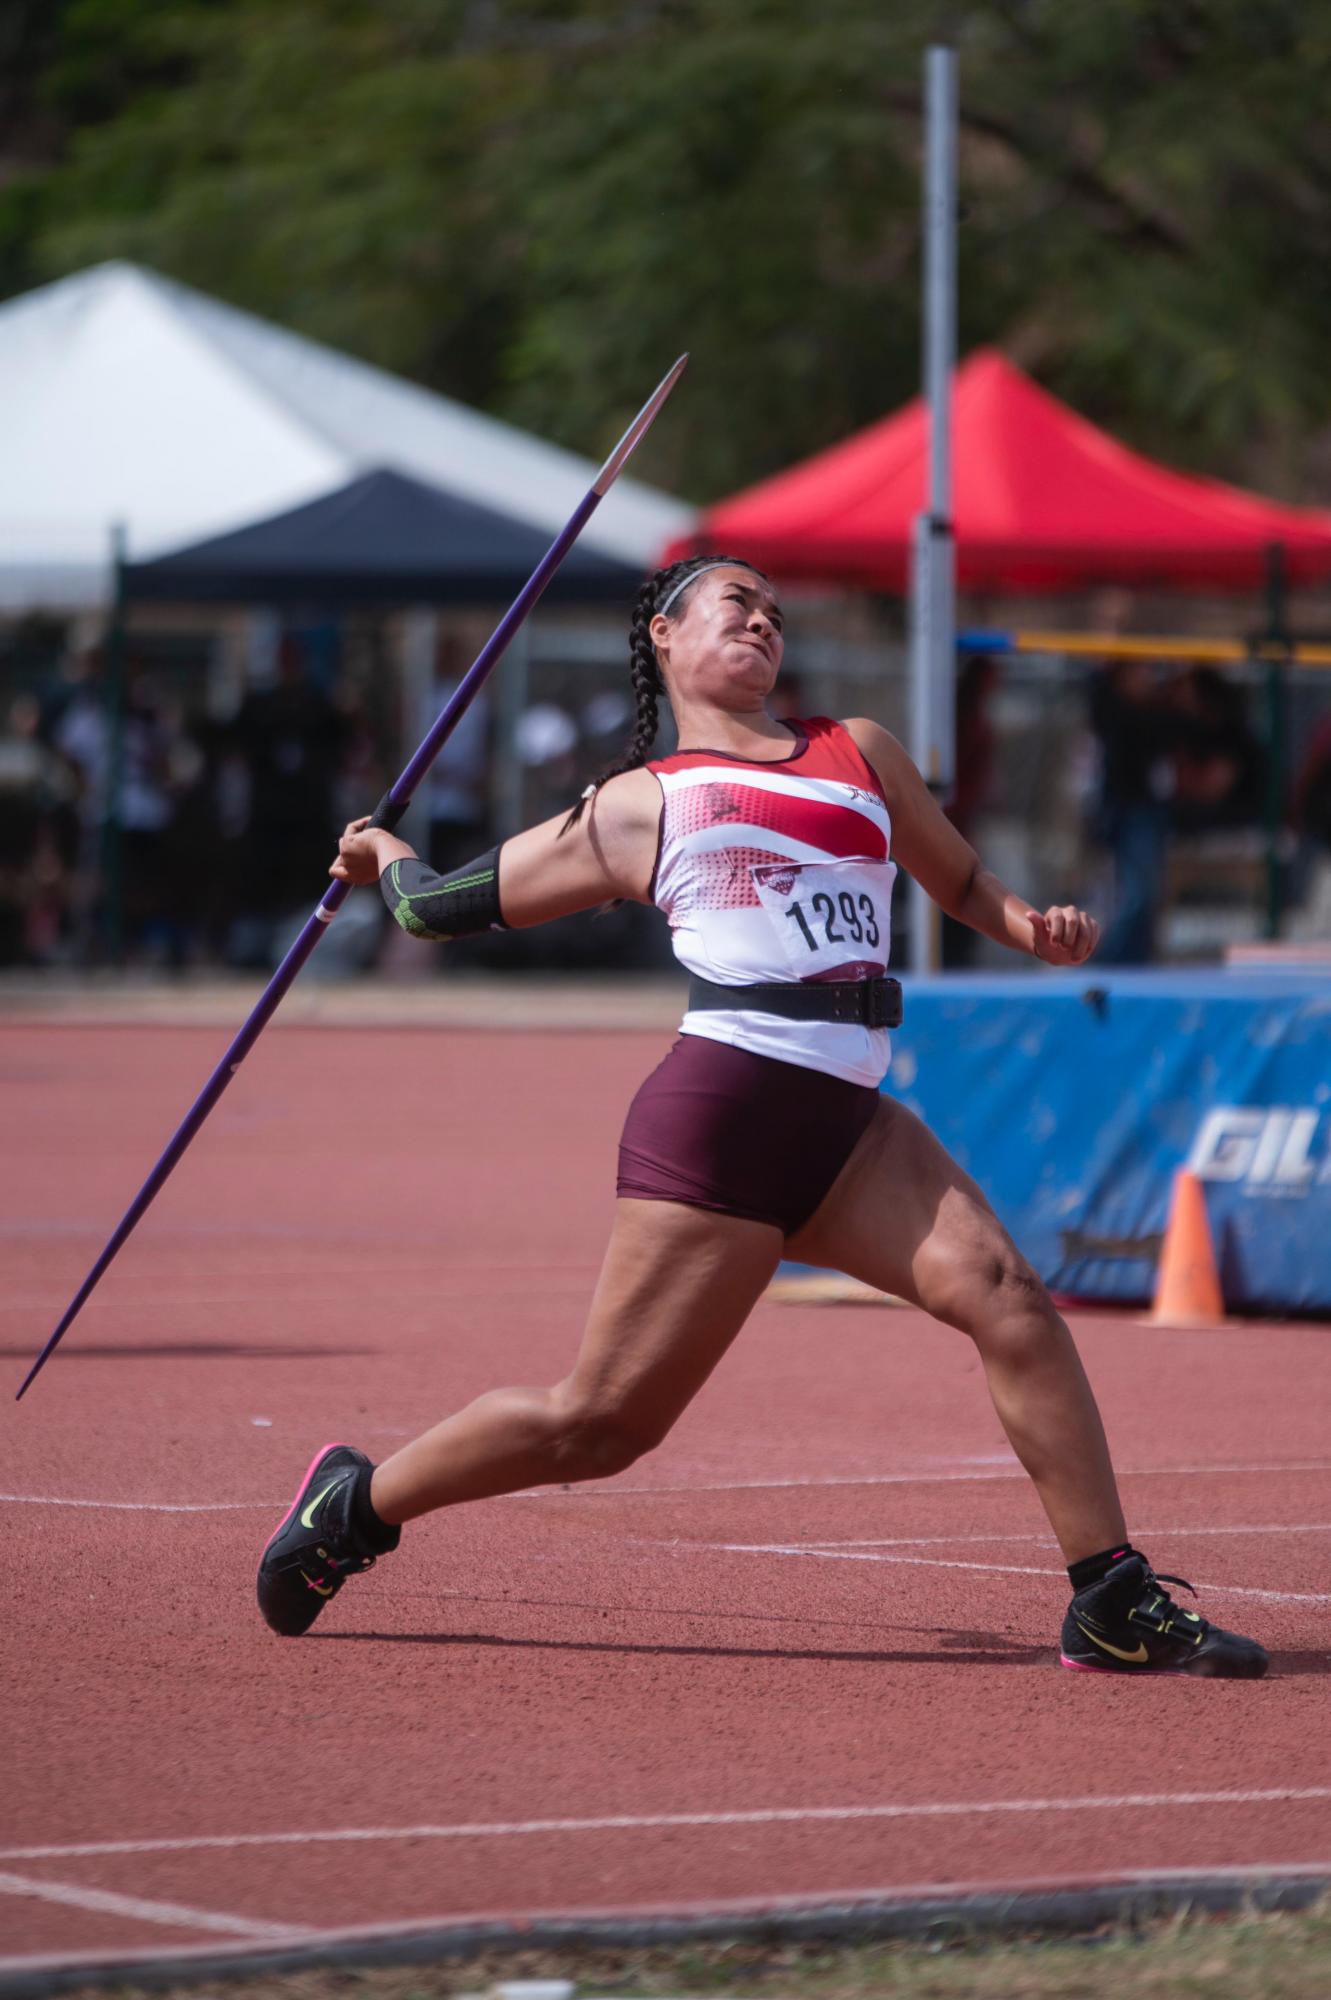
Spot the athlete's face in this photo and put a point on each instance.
(726, 645)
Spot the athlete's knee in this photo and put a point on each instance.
(996, 1298)
(594, 1440)
(1020, 1324)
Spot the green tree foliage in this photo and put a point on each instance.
(534, 206)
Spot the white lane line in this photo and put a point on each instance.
(612, 1491)
(107, 1903)
(647, 1822)
(820, 1554)
(1266, 1596)
(863, 1555)
(996, 1538)
(1248, 1528)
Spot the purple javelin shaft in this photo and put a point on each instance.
(387, 814)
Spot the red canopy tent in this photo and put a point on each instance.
(1043, 502)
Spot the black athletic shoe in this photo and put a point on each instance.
(1129, 1624)
(316, 1548)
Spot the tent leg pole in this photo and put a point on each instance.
(1277, 745)
(112, 843)
(933, 645)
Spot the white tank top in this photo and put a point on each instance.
(779, 870)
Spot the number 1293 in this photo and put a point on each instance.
(857, 913)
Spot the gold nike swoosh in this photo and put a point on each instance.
(1138, 1659)
(324, 1589)
(305, 1520)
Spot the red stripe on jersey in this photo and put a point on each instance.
(826, 749)
(836, 829)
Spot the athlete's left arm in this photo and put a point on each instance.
(949, 870)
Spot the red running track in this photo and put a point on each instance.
(807, 1649)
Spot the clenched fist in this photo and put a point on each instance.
(1064, 935)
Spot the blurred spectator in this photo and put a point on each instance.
(127, 861)
(457, 788)
(1220, 765)
(77, 729)
(1138, 729)
(1312, 788)
(545, 740)
(144, 812)
(37, 840)
(363, 775)
(291, 737)
(1177, 756)
(605, 722)
(975, 743)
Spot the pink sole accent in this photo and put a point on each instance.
(1153, 1673)
(322, 1452)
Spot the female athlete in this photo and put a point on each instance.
(770, 848)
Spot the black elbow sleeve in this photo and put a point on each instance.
(441, 907)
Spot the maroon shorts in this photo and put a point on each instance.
(720, 1128)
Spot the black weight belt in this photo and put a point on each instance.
(861, 1003)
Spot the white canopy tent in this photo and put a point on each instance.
(133, 402)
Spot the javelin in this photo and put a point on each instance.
(386, 814)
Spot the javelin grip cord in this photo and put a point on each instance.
(387, 813)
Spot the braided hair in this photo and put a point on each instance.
(645, 669)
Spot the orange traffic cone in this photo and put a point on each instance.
(1187, 1289)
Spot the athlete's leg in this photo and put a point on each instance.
(676, 1286)
(904, 1217)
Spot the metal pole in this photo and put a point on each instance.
(1277, 745)
(112, 843)
(933, 612)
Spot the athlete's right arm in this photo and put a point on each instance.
(608, 855)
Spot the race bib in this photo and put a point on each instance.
(828, 914)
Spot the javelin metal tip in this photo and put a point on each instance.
(637, 430)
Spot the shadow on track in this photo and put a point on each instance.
(965, 1649)
(977, 1649)
(1289, 1665)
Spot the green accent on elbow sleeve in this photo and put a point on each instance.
(417, 927)
(413, 921)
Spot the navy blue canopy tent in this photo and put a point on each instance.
(383, 539)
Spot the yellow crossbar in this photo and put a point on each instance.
(1134, 646)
